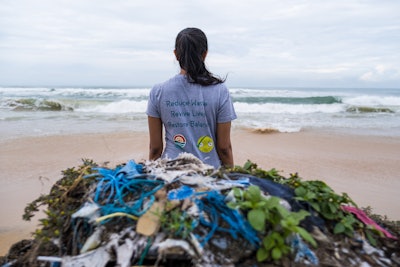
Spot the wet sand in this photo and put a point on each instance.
(365, 167)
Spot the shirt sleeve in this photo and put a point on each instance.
(226, 111)
(153, 107)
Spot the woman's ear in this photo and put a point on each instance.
(176, 55)
(204, 55)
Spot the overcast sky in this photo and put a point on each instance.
(257, 43)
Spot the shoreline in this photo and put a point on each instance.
(364, 167)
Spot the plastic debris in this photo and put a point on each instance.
(149, 223)
(115, 186)
(171, 170)
(168, 244)
(213, 204)
(131, 170)
(176, 212)
(91, 211)
(366, 220)
(93, 241)
(302, 251)
(98, 258)
(181, 193)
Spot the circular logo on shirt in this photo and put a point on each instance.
(205, 144)
(179, 140)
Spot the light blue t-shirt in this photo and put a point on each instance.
(190, 113)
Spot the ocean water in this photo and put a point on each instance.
(41, 111)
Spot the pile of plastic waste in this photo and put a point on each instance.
(182, 212)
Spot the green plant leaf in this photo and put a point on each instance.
(349, 232)
(262, 254)
(237, 192)
(315, 206)
(276, 254)
(273, 202)
(310, 195)
(285, 250)
(282, 210)
(300, 191)
(370, 237)
(260, 204)
(248, 165)
(306, 236)
(247, 204)
(269, 242)
(333, 208)
(280, 240)
(256, 219)
(329, 216)
(253, 194)
(339, 228)
(300, 215)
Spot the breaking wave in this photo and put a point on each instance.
(264, 110)
(31, 104)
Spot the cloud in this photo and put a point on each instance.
(381, 73)
(284, 42)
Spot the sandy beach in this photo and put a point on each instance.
(365, 167)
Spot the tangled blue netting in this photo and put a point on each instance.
(125, 189)
(213, 203)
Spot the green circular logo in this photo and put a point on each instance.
(205, 144)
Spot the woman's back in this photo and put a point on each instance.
(190, 113)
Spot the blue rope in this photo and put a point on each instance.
(213, 203)
(125, 189)
(85, 226)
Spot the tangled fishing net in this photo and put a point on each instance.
(182, 212)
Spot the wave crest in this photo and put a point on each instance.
(31, 104)
(364, 109)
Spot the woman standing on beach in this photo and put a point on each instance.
(194, 107)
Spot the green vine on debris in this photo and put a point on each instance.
(327, 203)
(317, 193)
(323, 200)
(271, 219)
(252, 168)
(62, 201)
(177, 223)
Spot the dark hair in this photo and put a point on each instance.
(190, 48)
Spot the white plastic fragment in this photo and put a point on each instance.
(168, 244)
(193, 211)
(49, 258)
(93, 241)
(196, 244)
(127, 244)
(9, 264)
(168, 170)
(386, 260)
(96, 258)
(124, 253)
(196, 179)
(89, 210)
(319, 236)
(370, 249)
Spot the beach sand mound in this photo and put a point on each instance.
(182, 212)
